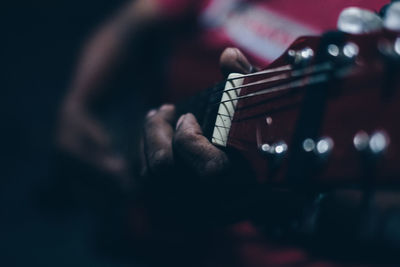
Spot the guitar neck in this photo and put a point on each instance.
(214, 108)
(202, 106)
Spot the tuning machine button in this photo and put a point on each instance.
(392, 17)
(361, 141)
(333, 50)
(350, 50)
(356, 20)
(308, 145)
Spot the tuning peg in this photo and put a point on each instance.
(375, 145)
(392, 17)
(356, 20)
(383, 10)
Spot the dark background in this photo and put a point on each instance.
(41, 41)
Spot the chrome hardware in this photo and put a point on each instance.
(265, 149)
(307, 53)
(396, 47)
(278, 149)
(324, 146)
(268, 120)
(301, 56)
(308, 145)
(375, 144)
(361, 141)
(392, 17)
(351, 50)
(333, 50)
(356, 20)
(378, 142)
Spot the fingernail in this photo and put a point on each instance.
(178, 124)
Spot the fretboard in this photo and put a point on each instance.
(215, 117)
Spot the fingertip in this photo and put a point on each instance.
(151, 113)
(227, 57)
(191, 117)
(228, 53)
(188, 119)
(233, 60)
(167, 112)
(187, 124)
(167, 108)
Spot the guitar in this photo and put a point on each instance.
(322, 115)
(320, 119)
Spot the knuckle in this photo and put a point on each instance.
(228, 55)
(153, 121)
(183, 137)
(160, 160)
(228, 51)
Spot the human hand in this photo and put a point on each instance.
(81, 136)
(179, 162)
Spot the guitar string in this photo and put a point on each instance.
(343, 73)
(294, 74)
(268, 71)
(262, 72)
(309, 80)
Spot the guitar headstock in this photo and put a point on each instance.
(324, 113)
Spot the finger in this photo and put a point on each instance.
(85, 139)
(99, 149)
(191, 146)
(158, 133)
(102, 159)
(88, 130)
(233, 60)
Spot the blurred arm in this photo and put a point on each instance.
(107, 49)
(80, 134)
